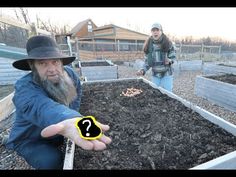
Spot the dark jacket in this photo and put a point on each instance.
(35, 110)
(155, 54)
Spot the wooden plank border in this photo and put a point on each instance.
(6, 106)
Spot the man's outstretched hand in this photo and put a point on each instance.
(68, 129)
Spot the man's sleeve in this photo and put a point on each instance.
(35, 106)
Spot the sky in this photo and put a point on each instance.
(197, 22)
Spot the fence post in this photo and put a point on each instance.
(69, 44)
(118, 48)
(118, 45)
(201, 54)
(33, 30)
(77, 47)
(219, 49)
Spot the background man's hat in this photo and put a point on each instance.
(157, 25)
(39, 48)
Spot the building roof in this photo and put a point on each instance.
(79, 26)
(115, 26)
(96, 31)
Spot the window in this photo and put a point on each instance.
(90, 27)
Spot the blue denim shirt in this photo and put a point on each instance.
(35, 110)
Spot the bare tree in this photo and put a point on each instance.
(17, 16)
(23, 16)
(24, 13)
(48, 26)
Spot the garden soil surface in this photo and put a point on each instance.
(227, 78)
(94, 63)
(149, 130)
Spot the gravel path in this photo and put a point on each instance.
(183, 87)
(9, 160)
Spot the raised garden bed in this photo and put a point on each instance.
(6, 104)
(98, 70)
(154, 129)
(227, 78)
(221, 68)
(193, 65)
(95, 63)
(5, 90)
(219, 89)
(9, 75)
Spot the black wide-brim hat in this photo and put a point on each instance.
(40, 48)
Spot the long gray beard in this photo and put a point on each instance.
(63, 92)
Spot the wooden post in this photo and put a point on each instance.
(201, 53)
(94, 54)
(118, 45)
(6, 106)
(69, 44)
(77, 47)
(180, 50)
(219, 49)
(33, 30)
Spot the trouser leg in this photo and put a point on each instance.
(165, 82)
(156, 80)
(42, 154)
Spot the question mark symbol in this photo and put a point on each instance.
(87, 129)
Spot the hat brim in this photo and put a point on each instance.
(156, 28)
(22, 64)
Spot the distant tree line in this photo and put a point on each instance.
(210, 41)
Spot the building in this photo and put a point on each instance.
(109, 41)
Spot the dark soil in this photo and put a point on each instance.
(118, 62)
(95, 64)
(228, 65)
(228, 78)
(5, 90)
(9, 159)
(148, 131)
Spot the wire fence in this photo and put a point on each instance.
(88, 50)
(198, 52)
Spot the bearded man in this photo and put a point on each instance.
(47, 102)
